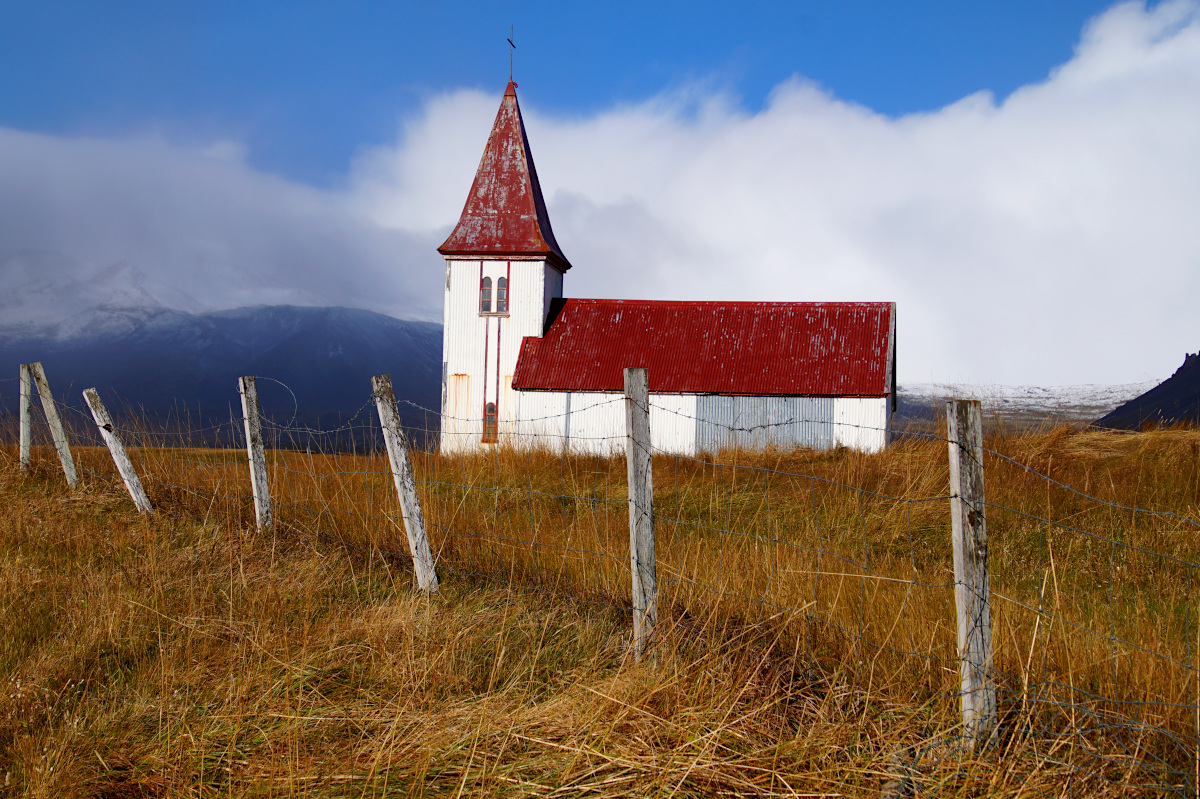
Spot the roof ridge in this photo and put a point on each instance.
(755, 303)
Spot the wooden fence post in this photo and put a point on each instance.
(26, 416)
(964, 431)
(117, 449)
(56, 427)
(406, 485)
(638, 463)
(248, 388)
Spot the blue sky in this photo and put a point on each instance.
(1026, 170)
(305, 84)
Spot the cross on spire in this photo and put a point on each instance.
(511, 47)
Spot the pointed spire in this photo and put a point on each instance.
(505, 213)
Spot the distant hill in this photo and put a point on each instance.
(1176, 399)
(1016, 407)
(169, 363)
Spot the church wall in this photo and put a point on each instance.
(762, 422)
(815, 422)
(530, 284)
(672, 423)
(592, 422)
(479, 351)
(540, 420)
(596, 423)
(463, 342)
(862, 423)
(687, 424)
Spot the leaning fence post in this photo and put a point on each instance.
(117, 450)
(964, 431)
(248, 388)
(56, 427)
(638, 463)
(26, 416)
(406, 485)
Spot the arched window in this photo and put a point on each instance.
(501, 295)
(489, 423)
(485, 295)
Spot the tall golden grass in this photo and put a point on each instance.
(807, 640)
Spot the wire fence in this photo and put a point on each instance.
(1095, 633)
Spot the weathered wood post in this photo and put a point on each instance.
(638, 461)
(964, 431)
(26, 417)
(406, 485)
(248, 388)
(117, 449)
(56, 427)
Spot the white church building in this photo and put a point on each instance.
(522, 365)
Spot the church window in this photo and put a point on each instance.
(489, 423)
(501, 295)
(485, 295)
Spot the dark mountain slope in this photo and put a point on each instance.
(167, 363)
(1176, 399)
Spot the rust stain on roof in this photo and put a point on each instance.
(505, 213)
(749, 348)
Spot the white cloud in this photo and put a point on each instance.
(123, 221)
(1048, 238)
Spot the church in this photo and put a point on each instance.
(523, 365)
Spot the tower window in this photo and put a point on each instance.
(485, 295)
(501, 295)
(489, 423)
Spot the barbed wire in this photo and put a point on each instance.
(619, 398)
(789, 422)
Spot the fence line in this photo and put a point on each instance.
(861, 568)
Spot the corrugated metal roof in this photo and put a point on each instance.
(505, 213)
(755, 348)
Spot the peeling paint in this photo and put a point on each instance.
(792, 349)
(505, 213)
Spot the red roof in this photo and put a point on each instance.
(505, 213)
(763, 348)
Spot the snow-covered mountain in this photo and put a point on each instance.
(1023, 405)
(164, 362)
(48, 294)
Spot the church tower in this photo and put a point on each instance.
(503, 269)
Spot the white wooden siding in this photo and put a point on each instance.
(686, 424)
(595, 422)
(862, 422)
(672, 423)
(762, 422)
(484, 348)
(541, 420)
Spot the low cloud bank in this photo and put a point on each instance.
(1049, 238)
(142, 222)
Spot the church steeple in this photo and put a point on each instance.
(505, 213)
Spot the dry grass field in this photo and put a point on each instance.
(806, 643)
